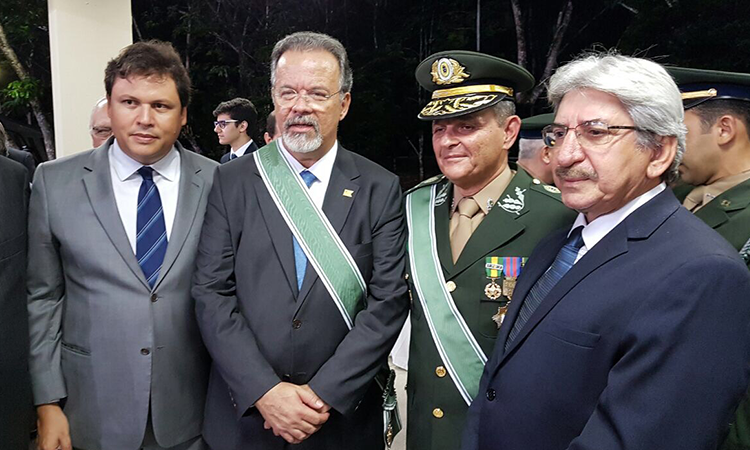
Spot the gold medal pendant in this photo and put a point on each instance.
(493, 291)
(509, 285)
(500, 316)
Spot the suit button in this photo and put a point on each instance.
(296, 324)
(438, 413)
(406, 277)
(491, 394)
(154, 298)
(440, 371)
(451, 286)
(535, 181)
(145, 352)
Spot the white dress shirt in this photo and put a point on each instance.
(601, 226)
(126, 182)
(322, 170)
(240, 151)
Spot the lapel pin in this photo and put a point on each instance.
(348, 193)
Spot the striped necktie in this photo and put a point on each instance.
(151, 232)
(560, 266)
(300, 260)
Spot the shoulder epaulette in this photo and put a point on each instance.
(428, 182)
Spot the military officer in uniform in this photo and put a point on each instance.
(717, 163)
(717, 155)
(533, 155)
(470, 232)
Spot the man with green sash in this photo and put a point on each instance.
(717, 163)
(470, 232)
(299, 285)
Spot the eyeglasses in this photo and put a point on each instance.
(591, 133)
(289, 96)
(223, 123)
(101, 132)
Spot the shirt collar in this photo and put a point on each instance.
(241, 151)
(125, 166)
(489, 194)
(321, 169)
(595, 231)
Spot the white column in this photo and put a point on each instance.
(84, 35)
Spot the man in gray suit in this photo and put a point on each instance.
(116, 357)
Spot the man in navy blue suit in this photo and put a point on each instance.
(629, 330)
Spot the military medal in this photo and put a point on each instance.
(511, 270)
(493, 269)
(500, 316)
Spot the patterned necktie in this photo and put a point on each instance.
(151, 232)
(467, 211)
(560, 266)
(300, 260)
(232, 156)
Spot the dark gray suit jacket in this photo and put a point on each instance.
(15, 388)
(24, 158)
(100, 336)
(260, 330)
(250, 149)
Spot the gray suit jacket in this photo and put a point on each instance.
(15, 390)
(100, 337)
(261, 330)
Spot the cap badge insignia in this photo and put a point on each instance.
(448, 71)
(513, 205)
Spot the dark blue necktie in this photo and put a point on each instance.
(300, 260)
(232, 156)
(151, 232)
(560, 266)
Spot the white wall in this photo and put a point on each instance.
(84, 36)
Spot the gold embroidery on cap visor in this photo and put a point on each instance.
(445, 106)
(448, 71)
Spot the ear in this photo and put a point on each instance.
(545, 155)
(725, 129)
(511, 127)
(345, 102)
(109, 107)
(662, 157)
(183, 116)
(267, 137)
(242, 127)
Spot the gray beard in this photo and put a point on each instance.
(300, 143)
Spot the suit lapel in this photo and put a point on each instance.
(281, 235)
(638, 225)
(188, 200)
(336, 205)
(98, 184)
(716, 212)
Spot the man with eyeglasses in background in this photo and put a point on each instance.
(299, 285)
(235, 126)
(100, 127)
(630, 328)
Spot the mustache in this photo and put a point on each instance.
(302, 120)
(576, 172)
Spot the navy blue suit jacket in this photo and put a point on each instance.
(643, 344)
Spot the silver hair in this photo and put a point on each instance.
(305, 41)
(503, 110)
(529, 148)
(101, 103)
(645, 89)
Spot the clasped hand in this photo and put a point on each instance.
(292, 411)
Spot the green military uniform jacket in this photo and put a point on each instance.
(436, 410)
(729, 215)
